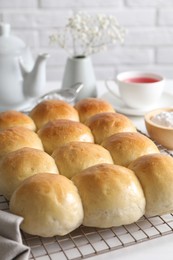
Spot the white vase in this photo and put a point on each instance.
(80, 69)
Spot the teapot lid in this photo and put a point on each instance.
(9, 43)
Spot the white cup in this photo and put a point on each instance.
(138, 90)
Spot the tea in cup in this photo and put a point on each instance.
(139, 90)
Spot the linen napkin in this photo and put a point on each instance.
(11, 245)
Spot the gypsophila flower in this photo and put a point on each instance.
(84, 34)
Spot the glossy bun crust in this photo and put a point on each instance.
(111, 195)
(21, 164)
(155, 173)
(14, 138)
(61, 131)
(74, 157)
(13, 118)
(49, 203)
(126, 147)
(90, 106)
(50, 110)
(103, 125)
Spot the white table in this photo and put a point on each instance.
(156, 249)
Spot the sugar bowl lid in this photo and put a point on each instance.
(9, 44)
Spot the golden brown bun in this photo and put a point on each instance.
(49, 203)
(61, 131)
(74, 157)
(126, 147)
(90, 106)
(49, 110)
(104, 125)
(155, 173)
(14, 138)
(111, 195)
(12, 118)
(21, 164)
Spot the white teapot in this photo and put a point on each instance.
(21, 80)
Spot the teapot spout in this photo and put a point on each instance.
(34, 81)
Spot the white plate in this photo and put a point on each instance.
(165, 101)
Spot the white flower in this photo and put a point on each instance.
(85, 34)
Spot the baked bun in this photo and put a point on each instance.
(21, 164)
(90, 106)
(74, 157)
(126, 147)
(49, 203)
(12, 118)
(155, 173)
(14, 138)
(61, 131)
(49, 110)
(111, 195)
(103, 125)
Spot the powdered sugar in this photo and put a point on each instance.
(164, 118)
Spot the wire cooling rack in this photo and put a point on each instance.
(85, 242)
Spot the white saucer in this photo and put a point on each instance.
(165, 101)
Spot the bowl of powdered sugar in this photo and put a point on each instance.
(159, 125)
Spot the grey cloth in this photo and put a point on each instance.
(11, 245)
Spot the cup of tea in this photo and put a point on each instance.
(138, 90)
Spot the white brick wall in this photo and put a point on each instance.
(148, 43)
